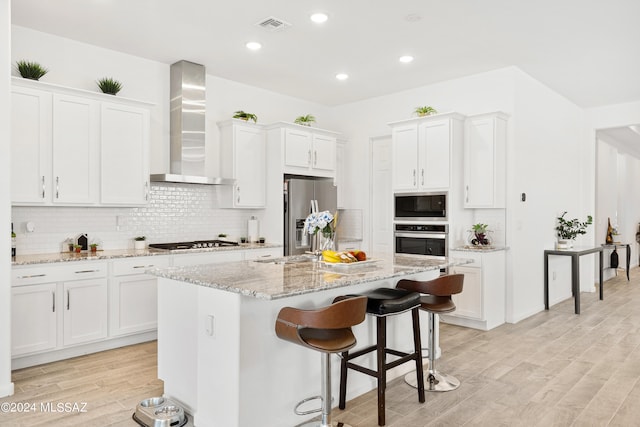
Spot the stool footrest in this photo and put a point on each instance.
(303, 401)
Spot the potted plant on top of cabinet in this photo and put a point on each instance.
(568, 230)
(245, 116)
(31, 70)
(305, 120)
(109, 86)
(425, 111)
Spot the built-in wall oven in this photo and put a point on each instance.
(429, 240)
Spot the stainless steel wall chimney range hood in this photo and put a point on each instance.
(187, 124)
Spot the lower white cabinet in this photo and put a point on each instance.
(85, 311)
(33, 318)
(481, 304)
(133, 295)
(62, 310)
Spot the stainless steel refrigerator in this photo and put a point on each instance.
(299, 196)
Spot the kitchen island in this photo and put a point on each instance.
(218, 353)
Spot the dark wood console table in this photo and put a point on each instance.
(621, 245)
(575, 254)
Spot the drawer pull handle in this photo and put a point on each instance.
(143, 266)
(31, 276)
(265, 256)
(87, 271)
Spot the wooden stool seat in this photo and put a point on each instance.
(326, 330)
(435, 299)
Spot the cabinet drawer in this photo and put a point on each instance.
(123, 267)
(475, 256)
(256, 254)
(57, 273)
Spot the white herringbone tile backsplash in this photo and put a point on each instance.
(175, 213)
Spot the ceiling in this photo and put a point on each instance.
(585, 50)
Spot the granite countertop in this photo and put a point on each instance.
(471, 248)
(284, 277)
(125, 253)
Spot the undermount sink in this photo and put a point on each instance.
(294, 259)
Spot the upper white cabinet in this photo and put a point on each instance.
(306, 150)
(124, 154)
(31, 136)
(485, 160)
(422, 151)
(75, 149)
(243, 159)
(72, 147)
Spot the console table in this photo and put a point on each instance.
(621, 245)
(575, 254)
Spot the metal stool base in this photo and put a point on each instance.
(433, 381)
(319, 424)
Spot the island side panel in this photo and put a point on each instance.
(178, 341)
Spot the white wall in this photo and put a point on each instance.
(6, 386)
(546, 161)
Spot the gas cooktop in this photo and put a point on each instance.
(198, 244)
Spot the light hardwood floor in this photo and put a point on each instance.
(552, 369)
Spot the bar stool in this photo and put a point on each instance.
(381, 303)
(327, 330)
(435, 299)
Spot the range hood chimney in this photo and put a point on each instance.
(188, 106)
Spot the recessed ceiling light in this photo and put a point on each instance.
(319, 18)
(342, 76)
(253, 45)
(406, 59)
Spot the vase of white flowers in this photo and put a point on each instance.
(321, 226)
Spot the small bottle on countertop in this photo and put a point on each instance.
(13, 242)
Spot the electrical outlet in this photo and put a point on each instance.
(210, 325)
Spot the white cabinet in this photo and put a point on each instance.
(31, 135)
(72, 147)
(481, 304)
(85, 311)
(422, 151)
(207, 258)
(243, 159)
(305, 150)
(75, 149)
(124, 155)
(133, 305)
(485, 161)
(33, 318)
(262, 254)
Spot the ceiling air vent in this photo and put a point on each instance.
(273, 24)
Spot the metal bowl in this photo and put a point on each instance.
(159, 412)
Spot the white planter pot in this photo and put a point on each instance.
(564, 244)
(139, 244)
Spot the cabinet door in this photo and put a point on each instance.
(297, 148)
(479, 164)
(133, 304)
(469, 302)
(324, 153)
(33, 318)
(249, 159)
(124, 155)
(405, 160)
(85, 311)
(30, 146)
(435, 157)
(75, 149)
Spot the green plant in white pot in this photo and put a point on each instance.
(569, 229)
(305, 120)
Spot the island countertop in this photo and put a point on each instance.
(297, 275)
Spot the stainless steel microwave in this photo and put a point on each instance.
(420, 207)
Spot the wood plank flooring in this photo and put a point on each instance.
(552, 369)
